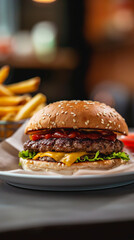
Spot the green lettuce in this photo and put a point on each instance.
(27, 154)
(30, 155)
(98, 157)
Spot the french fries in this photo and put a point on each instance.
(5, 91)
(39, 107)
(9, 109)
(27, 86)
(8, 117)
(4, 72)
(30, 106)
(15, 101)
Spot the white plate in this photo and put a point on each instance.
(67, 183)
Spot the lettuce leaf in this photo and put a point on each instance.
(98, 157)
(30, 155)
(27, 154)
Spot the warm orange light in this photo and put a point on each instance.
(44, 1)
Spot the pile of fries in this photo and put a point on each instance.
(15, 101)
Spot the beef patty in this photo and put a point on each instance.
(74, 145)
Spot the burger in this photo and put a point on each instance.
(73, 135)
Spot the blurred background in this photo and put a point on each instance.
(81, 49)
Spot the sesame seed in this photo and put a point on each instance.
(63, 123)
(75, 127)
(99, 114)
(110, 121)
(87, 122)
(102, 121)
(62, 107)
(119, 125)
(74, 120)
(62, 111)
(57, 114)
(72, 113)
(108, 124)
(59, 105)
(66, 112)
(110, 127)
(43, 117)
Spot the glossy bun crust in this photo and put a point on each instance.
(77, 114)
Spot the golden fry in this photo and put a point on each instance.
(14, 100)
(27, 86)
(4, 91)
(8, 117)
(21, 106)
(9, 109)
(4, 72)
(30, 106)
(39, 107)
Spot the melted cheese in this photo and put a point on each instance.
(66, 158)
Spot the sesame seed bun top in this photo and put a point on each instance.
(77, 114)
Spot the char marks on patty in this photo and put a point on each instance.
(74, 145)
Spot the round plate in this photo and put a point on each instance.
(67, 183)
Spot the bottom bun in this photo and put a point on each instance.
(36, 165)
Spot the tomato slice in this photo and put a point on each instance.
(72, 135)
(128, 140)
(90, 135)
(37, 136)
(47, 136)
(59, 134)
(75, 134)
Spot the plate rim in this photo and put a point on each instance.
(65, 177)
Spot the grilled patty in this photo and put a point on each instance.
(74, 145)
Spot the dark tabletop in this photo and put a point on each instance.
(24, 210)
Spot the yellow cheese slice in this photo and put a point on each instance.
(70, 158)
(66, 158)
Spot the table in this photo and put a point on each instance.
(59, 215)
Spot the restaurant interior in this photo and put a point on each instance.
(52, 50)
(80, 50)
